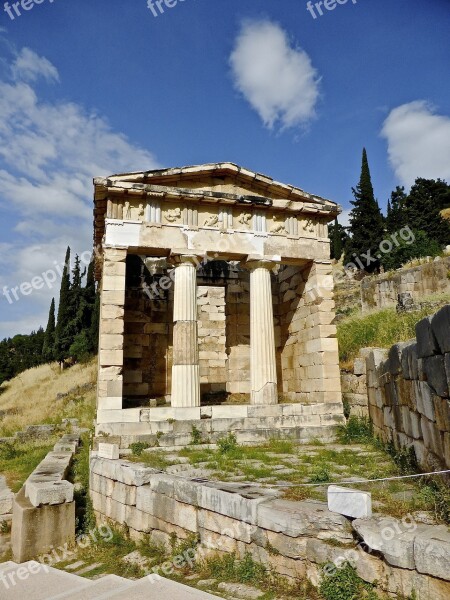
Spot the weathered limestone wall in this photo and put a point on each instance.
(238, 335)
(309, 355)
(408, 390)
(294, 538)
(44, 509)
(424, 280)
(354, 386)
(6, 507)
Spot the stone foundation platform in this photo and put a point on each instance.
(252, 424)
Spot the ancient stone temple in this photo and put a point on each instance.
(217, 307)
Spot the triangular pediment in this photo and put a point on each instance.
(219, 177)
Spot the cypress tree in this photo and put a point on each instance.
(366, 223)
(396, 213)
(336, 241)
(48, 349)
(62, 342)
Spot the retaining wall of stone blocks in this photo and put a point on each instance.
(294, 539)
(423, 280)
(354, 386)
(44, 509)
(408, 392)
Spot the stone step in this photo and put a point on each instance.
(25, 581)
(100, 588)
(146, 589)
(7, 565)
(33, 581)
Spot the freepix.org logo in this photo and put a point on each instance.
(315, 8)
(158, 6)
(15, 9)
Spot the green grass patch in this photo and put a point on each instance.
(356, 430)
(345, 584)
(379, 329)
(18, 460)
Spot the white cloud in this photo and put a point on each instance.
(276, 77)
(418, 142)
(49, 153)
(29, 66)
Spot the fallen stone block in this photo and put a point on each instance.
(108, 451)
(432, 552)
(348, 502)
(49, 493)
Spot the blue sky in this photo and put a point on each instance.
(91, 88)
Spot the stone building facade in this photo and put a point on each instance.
(216, 306)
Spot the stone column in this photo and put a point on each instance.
(185, 366)
(263, 370)
(111, 335)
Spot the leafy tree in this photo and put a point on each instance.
(48, 349)
(80, 350)
(423, 207)
(366, 222)
(396, 213)
(404, 252)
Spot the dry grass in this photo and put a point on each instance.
(31, 397)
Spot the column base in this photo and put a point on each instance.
(266, 395)
(185, 386)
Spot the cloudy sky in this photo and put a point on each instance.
(92, 88)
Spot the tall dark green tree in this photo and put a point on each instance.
(423, 207)
(62, 339)
(366, 223)
(396, 213)
(48, 349)
(338, 238)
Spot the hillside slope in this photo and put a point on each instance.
(47, 395)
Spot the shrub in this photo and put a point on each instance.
(357, 430)
(321, 474)
(227, 444)
(345, 584)
(196, 436)
(138, 448)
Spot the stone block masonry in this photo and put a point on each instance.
(44, 509)
(408, 392)
(423, 280)
(216, 287)
(293, 538)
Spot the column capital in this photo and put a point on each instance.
(178, 257)
(260, 262)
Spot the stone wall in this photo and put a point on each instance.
(309, 350)
(44, 509)
(354, 387)
(293, 538)
(408, 391)
(430, 278)
(305, 336)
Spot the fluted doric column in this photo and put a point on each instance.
(185, 365)
(263, 370)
